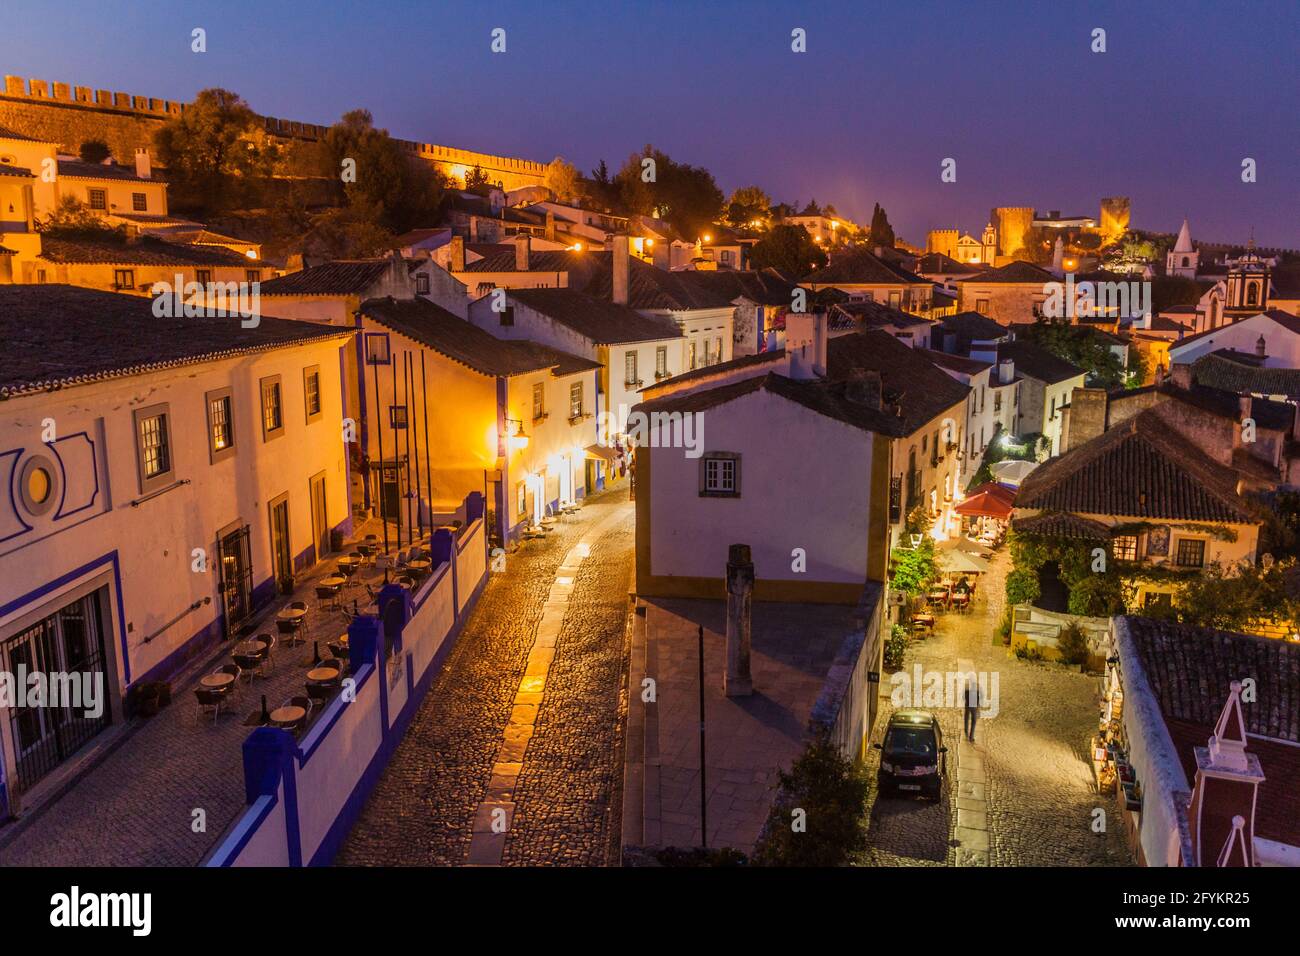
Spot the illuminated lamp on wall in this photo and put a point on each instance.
(251, 253)
(515, 431)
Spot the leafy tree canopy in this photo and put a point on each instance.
(788, 249)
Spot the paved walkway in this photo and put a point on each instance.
(514, 757)
(172, 784)
(1026, 778)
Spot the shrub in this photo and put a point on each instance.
(895, 647)
(1072, 643)
(832, 793)
(1022, 587)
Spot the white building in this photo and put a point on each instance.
(1183, 260)
(169, 476)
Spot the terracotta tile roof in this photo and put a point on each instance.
(1274, 416)
(877, 315)
(599, 320)
(736, 364)
(1036, 362)
(916, 386)
(820, 396)
(1058, 524)
(146, 251)
(1018, 271)
(650, 287)
(59, 336)
(1140, 469)
(8, 133)
(78, 169)
(1236, 372)
(862, 267)
(1190, 670)
(448, 334)
(7, 252)
(16, 172)
(936, 263)
(958, 363)
(341, 277)
(971, 327)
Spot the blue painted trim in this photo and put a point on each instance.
(230, 848)
(13, 502)
(63, 492)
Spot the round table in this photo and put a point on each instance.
(333, 581)
(323, 675)
(291, 614)
(288, 715)
(420, 564)
(217, 681)
(248, 648)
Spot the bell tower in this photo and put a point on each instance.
(1247, 286)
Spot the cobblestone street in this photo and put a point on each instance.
(526, 717)
(1033, 755)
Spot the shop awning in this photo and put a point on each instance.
(989, 500)
(602, 453)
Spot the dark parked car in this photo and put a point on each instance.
(913, 758)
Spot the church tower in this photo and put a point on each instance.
(1247, 287)
(1183, 260)
(989, 244)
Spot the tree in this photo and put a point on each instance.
(563, 181)
(94, 151)
(685, 196)
(73, 218)
(749, 205)
(1082, 347)
(788, 249)
(881, 233)
(915, 569)
(816, 819)
(1232, 599)
(398, 189)
(476, 181)
(215, 151)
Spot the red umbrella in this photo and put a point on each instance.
(989, 500)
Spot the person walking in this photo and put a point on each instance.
(972, 701)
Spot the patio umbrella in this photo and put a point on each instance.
(957, 561)
(1012, 472)
(989, 500)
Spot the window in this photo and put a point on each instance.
(123, 278)
(539, 401)
(521, 498)
(422, 284)
(311, 392)
(661, 362)
(629, 369)
(720, 475)
(221, 425)
(98, 199)
(982, 306)
(997, 403)
(895, 299)
(1125, 547)
(726, 256)
(377, 349)
(1190, 553)
(252, 275)
(575, 401)
(139, 202)
(203, 277)
(272, 408)
(153, 447)
(396, 416)
(692, 356)
(717, 348)
(707, 360)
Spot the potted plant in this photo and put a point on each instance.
(146, 699)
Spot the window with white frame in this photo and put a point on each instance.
(153, 442)
(575, 401)
(720, 475)
(629, 369)
(221, 424)
(272, 408)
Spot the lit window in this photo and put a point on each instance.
(98, 199)
(661, 361)
(139, 202)
(123, 278)
(575, 401)
(1190, 553)
(539, 401)
(396, 416)
(153, 447)
(377, 348)
(272, 408)
(220, 424)
(1125, 547)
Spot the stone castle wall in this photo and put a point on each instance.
(71, 115)
(1013, 224)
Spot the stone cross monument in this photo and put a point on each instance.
(740, 597)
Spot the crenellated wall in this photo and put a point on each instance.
(70, 115)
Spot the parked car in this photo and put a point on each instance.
(913, 758)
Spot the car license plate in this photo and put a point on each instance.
(909, 786)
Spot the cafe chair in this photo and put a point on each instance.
(328, 597)
(208, 697)
(305, 703)
(268, 651)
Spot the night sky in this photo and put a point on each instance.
(884, 93)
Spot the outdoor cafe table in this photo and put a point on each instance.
(938, 596)
(291, 614)
(217, 681)
(333, 581)
(323, 675)
(290, 714)
(420, 564)
(248, 648)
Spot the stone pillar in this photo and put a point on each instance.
(740, 598)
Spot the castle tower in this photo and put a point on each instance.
(1116, 213)
(1183, 260)
(1013, 225)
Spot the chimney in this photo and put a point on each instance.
(1246, 404)
(457, 260)
(523, 244)
(950, 342)
(864, 387)
(805, 344)
(1222, 811)
(143, 168)
(1006, 371)
(622, 269)
(740, 597)
(294, 263)
(473, 229)
(1181, 376)
(550, 226)
(1261, 347)
(1087, 417)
